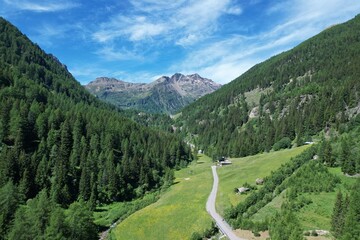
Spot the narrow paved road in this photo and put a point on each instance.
(210, 207)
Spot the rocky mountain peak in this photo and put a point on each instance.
(177, 76)
(104, 80)
(166, 94)
(195, 76)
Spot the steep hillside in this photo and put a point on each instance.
(60, 145)
(165, 95)
(289, 97)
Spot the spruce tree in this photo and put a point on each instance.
(352, 218)
(338, 217)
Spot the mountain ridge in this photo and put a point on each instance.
(298, 93)
(164, 95)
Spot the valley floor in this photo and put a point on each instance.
(178, 213)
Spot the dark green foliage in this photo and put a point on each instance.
(58, 140)
(153, 120)
(306, 90)
(80, 221)
(285, 226)
(40, 218)
(347, 156)
(325, 153)
(57, 228)
(32, 219)
(339, 213)
(313, 177)
(285, 142)
(9, 201)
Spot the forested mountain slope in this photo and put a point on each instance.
(291, 96)
(59, 144)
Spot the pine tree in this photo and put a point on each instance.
(347, 158)
(9, 201)
(328, 157)
(338, 217)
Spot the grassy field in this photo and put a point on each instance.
(178, 213)
(317, 214)
(247, 169)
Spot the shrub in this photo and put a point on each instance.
(283, 143)
(196, 236)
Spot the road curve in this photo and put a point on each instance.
(210, 207)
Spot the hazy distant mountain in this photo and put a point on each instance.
(165, 95)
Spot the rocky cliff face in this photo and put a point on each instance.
(165, 95)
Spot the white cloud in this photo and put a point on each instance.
(235, 10)
(48, 35)
(89, 72)
(110, 53)
(135, 28)
(40, 6)
(180, 22)
(224, 60)
(150, 6)
(224, 72)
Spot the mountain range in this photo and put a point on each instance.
(165, 95)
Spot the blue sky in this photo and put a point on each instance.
(141, 40)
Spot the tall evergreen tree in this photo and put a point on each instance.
(352, 217)
(338, 217)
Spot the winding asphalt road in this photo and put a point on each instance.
(210, 207)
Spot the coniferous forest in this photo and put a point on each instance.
(64, 149)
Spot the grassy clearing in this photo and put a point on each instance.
(178, 213)
(253, 97)
(247, 169)
(270, 209)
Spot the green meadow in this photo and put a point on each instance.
(248, 169)
(178, 213)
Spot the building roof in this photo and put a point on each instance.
(243, 189)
